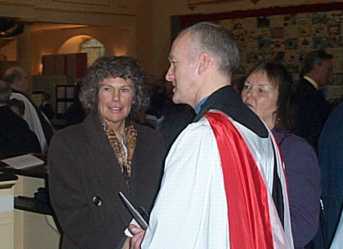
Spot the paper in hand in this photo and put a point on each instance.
(133, 211)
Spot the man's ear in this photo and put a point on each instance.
(205, 62)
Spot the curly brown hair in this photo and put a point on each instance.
(112, 67)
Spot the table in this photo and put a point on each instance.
(34, 226)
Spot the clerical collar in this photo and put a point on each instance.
(197, 108)
(312, 81)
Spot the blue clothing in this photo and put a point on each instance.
(303, 178)
(198, 107)
(331, 164)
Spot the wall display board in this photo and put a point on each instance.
(65, 97)
(285, 34)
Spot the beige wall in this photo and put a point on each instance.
(157, 49)
(140, 27)
(10, 50)
(117, 41)
(71, 11)
(111, 22)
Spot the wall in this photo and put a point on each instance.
(111, 21)
(98, 12)
(9, 50)
(163, 10)
(143, 24)
(116, 41)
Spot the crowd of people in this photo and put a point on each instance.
(253, 163)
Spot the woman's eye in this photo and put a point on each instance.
(106, 88)
(125, 89)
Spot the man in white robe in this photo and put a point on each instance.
(223, 184)
(37, 121)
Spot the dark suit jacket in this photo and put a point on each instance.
(331, 165)
(85, 178)
(176, 118)
(229, 102)
(15, 135)
(311, 111)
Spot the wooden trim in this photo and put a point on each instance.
(187, 20)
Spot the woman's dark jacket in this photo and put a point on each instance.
(85, 178)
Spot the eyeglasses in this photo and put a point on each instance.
(261, 88)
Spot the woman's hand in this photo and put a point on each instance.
(138, 235)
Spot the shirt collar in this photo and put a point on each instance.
(199, 105)
(312, 81)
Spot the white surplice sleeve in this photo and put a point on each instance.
(338, 238)
(190, 211)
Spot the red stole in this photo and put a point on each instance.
(246, 193)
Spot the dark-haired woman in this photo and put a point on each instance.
(267, 91)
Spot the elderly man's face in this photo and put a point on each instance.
(182, 71)
(115, 100)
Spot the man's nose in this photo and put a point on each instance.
(169, 75)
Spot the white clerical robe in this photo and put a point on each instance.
(191, 210)
(337, 242)
(32, 119)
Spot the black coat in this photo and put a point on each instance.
(229, 102)
(85, 178)
(311, 111)
(15, 135)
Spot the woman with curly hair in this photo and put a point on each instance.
(108, 152)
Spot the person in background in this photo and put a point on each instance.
(89, 163)
(268, 92)
(218, 189)
(38, 123)
(75, 113)
(331, 164)
(46, 107)
(174, 117)
(15, 136)
(17, 106)
(312, 109)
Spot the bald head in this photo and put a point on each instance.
(202, 59)
(217, 41)
(17, 78)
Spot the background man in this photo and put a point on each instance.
(38, 123)
(223, 183)
(312, 109)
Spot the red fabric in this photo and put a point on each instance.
(246, 193)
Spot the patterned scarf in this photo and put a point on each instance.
(123, 148)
